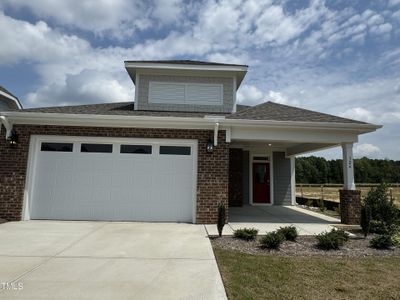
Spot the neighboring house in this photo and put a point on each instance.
(182, 148)
(8, 101)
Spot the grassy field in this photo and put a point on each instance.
(331, 192)
(276, 277)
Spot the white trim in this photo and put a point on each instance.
(269, 161)
(36, 140)
(14, 99)
(348, 166)
(122, 120)
(228, 135)
(234, 95)
(136, 103)
(293, 179)
(146, 65)
(29, 179)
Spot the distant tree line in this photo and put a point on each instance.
(319, 170)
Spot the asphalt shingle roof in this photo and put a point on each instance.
(279, 112)
(121, 108)
(266, 111)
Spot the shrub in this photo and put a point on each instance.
(221, 218)
(272, 240)
(288, 232)
(382, 206)
(246, 233)
(332, 239)
(365, 219)
(378, 227)
(309, 203)
(383, 241)
(396, 238)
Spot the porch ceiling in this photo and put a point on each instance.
(291, 148)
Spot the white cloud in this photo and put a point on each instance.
(393, 2)
(250, 95)
(86, 87)
(277, 97)
(381, 29)
(227, 57)
(168, 11)
(35, 42)
(366, 149)
(358, 113)
(116, 17)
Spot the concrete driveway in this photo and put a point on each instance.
(107, 260)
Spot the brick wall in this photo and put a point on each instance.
(235, 177)
(350, 207)
(212, 181)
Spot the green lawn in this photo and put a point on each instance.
(277, 277)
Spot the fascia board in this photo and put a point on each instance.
(186, 67)
(115, 120)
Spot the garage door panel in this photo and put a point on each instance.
(113, 186)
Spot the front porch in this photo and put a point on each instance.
(270, 218)
(262, 183)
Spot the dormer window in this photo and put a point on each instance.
(186, 86)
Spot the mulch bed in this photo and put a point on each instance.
(304, 246)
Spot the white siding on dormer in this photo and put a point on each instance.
(185, 93)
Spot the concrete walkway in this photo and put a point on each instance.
(107, 260)
(270, 218)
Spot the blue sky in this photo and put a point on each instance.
(340, 57)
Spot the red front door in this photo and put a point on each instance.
(261, 183)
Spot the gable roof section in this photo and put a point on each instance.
(272, 111)
(184, 62)
(184, 66)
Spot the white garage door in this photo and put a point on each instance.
(109, 179)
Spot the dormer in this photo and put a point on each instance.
(185, 85)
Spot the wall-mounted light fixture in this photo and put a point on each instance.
(210, 146)
(13, 139)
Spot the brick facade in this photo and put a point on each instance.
(212, 175)
(235, 177)
(350, 207)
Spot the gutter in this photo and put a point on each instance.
(7, 125)
(39, 118)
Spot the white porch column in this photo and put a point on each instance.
(348, 167)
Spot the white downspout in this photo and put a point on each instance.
(7, 125)
(216, 126)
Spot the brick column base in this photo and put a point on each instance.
(350, 207)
